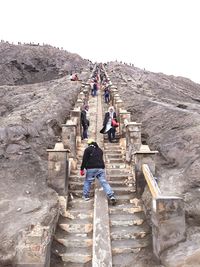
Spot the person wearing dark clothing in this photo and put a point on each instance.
(94, 89)
(84, 122)
(107, 124)
(95, 168)
(107, 94)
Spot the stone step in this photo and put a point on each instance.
(74, 242)
(75, 172)
(125, 209)
(125, 259)
(121, 183)
(117, 136)
(111, 152)
(79, 192)
(114, 156)
(114, 161)
(112, 146)
(80, 257)
(129, 232)
(77, 178)
(76, 257)
(115, 141)
(126, 199)
(127, 219)
(119, 171)
(79, 203)
(123, 190)
(129, 246)
(77, 227)
(119, 176)
(80, 213)
(76, 185)
(116, 165)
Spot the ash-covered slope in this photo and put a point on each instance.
(24, 64)
(30, 122)
(169, 109)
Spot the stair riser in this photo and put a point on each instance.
(114, 161)
(77, 228)
(127, 223)
(79, 193)
(122, 192)
(113, 152)
(73, 187)
(116, 177)
(114, 157)
(128, 236)
(127, 211)
(76, 243)
(76, 259)
(123, 172)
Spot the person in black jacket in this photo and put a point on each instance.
(84, 122)
(95, 168)
(107, 124)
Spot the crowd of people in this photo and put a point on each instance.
(99, 81)
(92, 163)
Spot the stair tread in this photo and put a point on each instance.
(129, 232)
(74, 221)
(131, 243)
(125, 208)
(126, 217)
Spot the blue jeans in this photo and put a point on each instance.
(94, 92)
(91, 174)
(111, 134)
(85, 132)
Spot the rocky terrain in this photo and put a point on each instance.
(169, 109)
(30, 122)
(25, 63)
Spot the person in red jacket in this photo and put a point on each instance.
(94, 165)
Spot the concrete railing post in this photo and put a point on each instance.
(58, 169)
(81, 96)
(119, 105)
(124, 119)
(69, 142)
(79, 103)
(143, 156)
(86, 92)
(168, 223)
(133, 139)
(112, 92)
(115, 98)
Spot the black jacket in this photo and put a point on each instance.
(84, 120)
(93, 157)
(106, 118)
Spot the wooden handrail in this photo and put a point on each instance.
(153, 186)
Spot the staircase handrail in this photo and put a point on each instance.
(151, 181)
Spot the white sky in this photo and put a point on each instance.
(158, 35)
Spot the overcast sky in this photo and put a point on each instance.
(158, 35)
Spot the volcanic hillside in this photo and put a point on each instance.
(169, 109)
(31, 118)
(23, 64)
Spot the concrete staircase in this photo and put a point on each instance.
(129, 231)
(72, 245)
